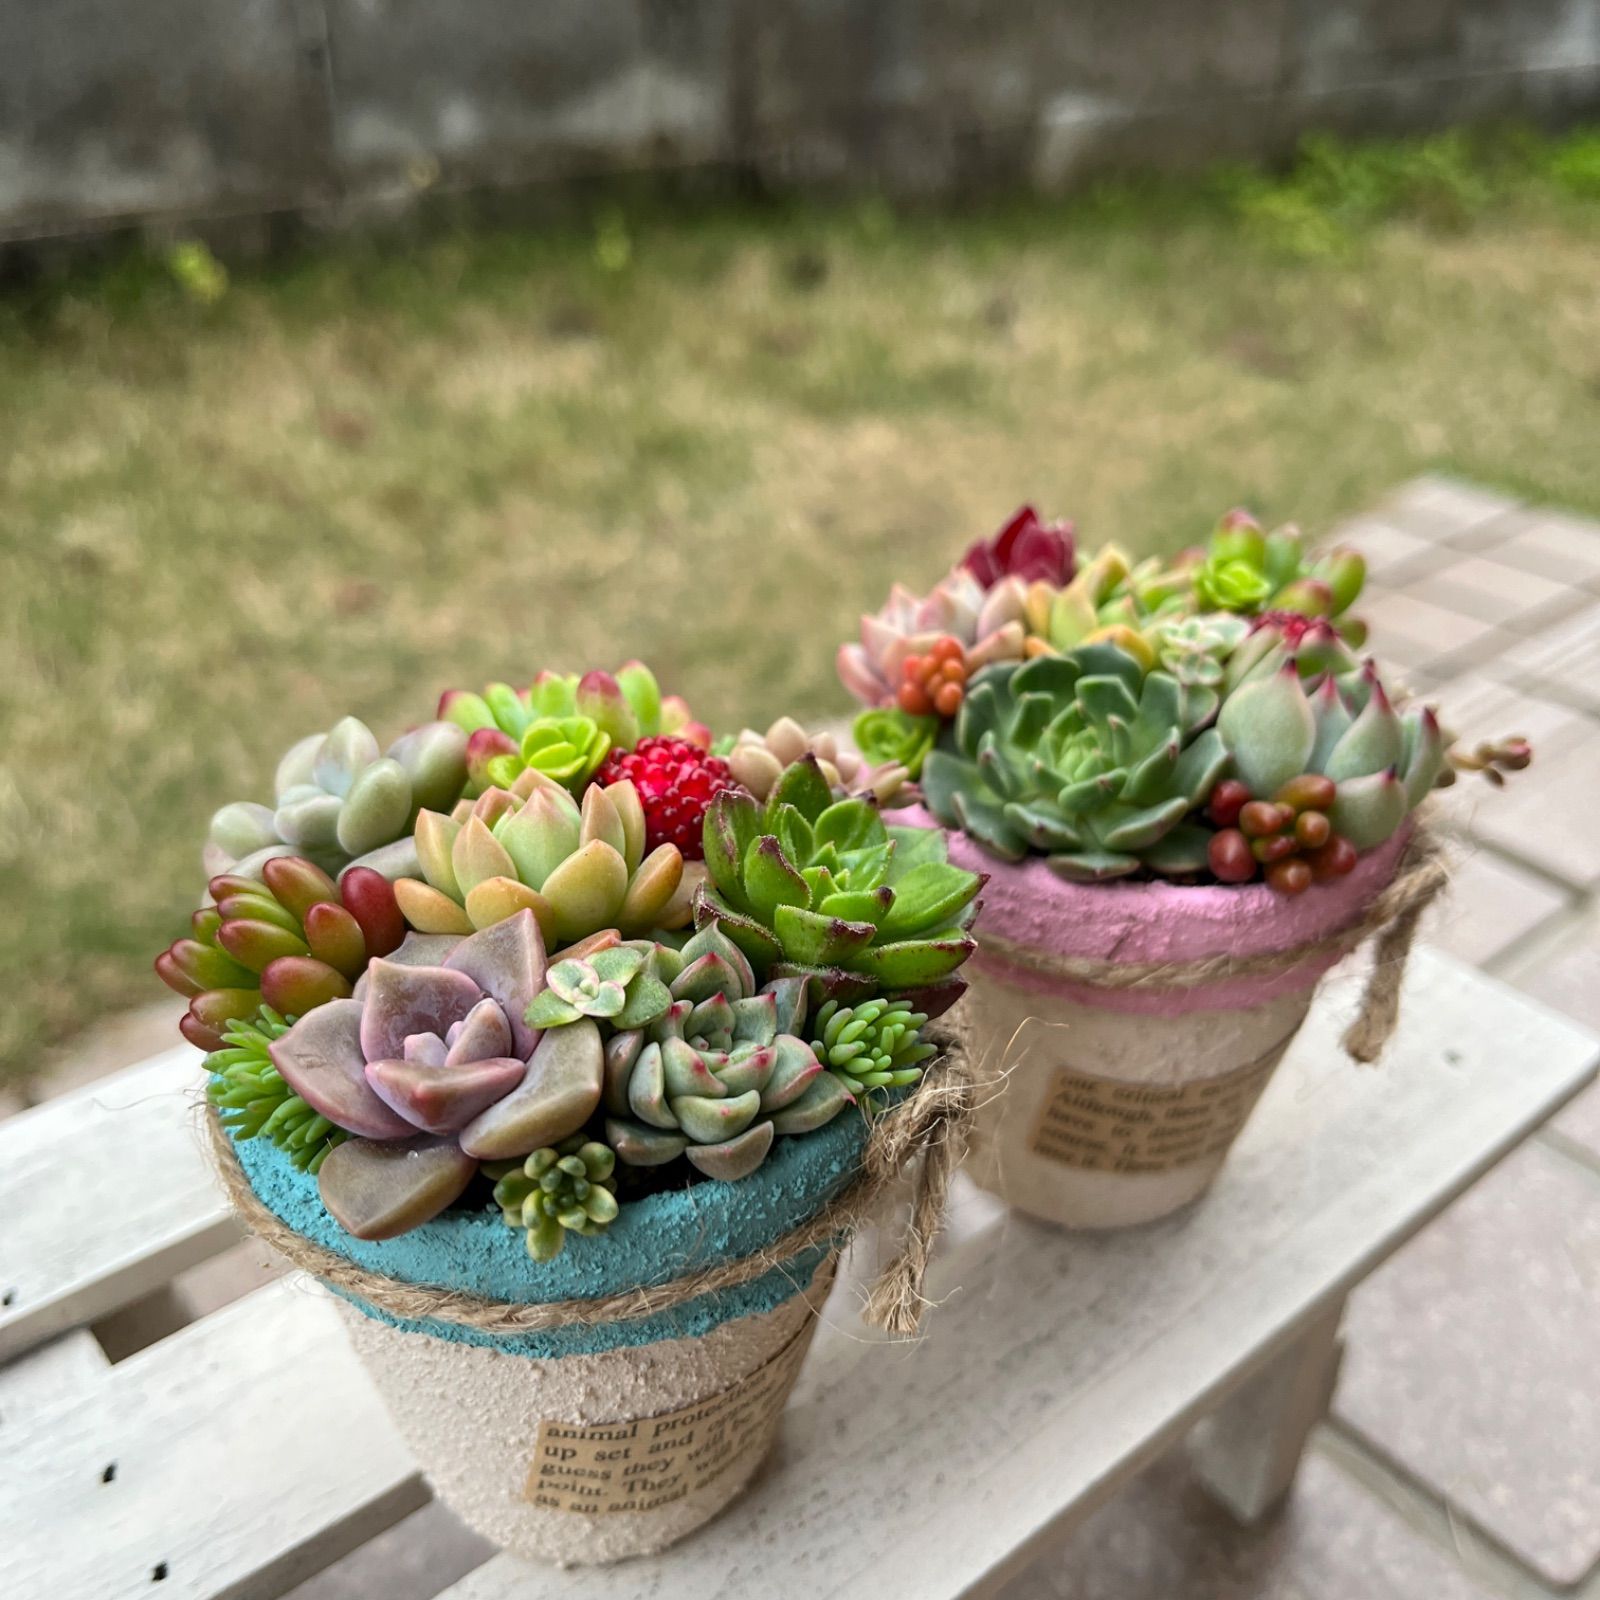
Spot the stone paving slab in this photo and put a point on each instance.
(1549, 544)
(1492, 592)
(1471, 1355)
(1164, 1539)
(1418, 633)
(1562, 663)
(1492, 904)
(1445, 510)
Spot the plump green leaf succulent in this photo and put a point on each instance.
(622, 985)
(1084, 757)
(339, 799)
(561, 1189)
(720, 1073)
(1382, 761)
(579, 869)
(254, 1102)
(1247, 571)
(888, 736)
(814, 888)
(875, 1045)
(562, 726)
(292, 940)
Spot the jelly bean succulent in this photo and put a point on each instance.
(578, 868)
(817, 888)
(1084, 757)
(721, 1072)
(291, 940)
(876, 1045)
(339, 799)
(562, 726)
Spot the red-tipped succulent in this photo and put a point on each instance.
(1025, 548)
(293, 940)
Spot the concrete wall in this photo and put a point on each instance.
(118, 110)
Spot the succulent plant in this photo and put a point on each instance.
(434, 1068)
(1382, 762)
(812, 887)
(1025, 548)
(339, 800)
(567, 1188)
(1247, 571)
(1288, 839)
(1196, 651)
(873, 1046)
(579, 869)
(292, 940)
(622, 985)
(676, 780)
(254, 1102)
(1274, 637)
(721, 1072)
(893, 741)
(757, 760)
(562, 726)
(1109, 600)
(1084, 757)
(985, 622)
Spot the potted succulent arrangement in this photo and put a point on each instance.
(1192, 796)
(569, 1061)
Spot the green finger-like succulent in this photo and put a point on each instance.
(1382, 761)
(720, 1073)
(820, 889)
(579, 869)
(254, 1102)
(562, 726)
(339, 799)
(874, 1045)
(1084, 757)
(567, 1188)
(292, 940)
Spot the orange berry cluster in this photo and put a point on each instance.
(934, 685)
(1287, 838)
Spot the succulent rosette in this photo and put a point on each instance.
(1203, 719)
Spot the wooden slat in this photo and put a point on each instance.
(105, 1195)
(1057, 1365)
(55, 1372)
(249, 1452)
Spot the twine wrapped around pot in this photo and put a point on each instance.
(926, 1130)
(1392, 916)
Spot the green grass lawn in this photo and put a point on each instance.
(707, 438)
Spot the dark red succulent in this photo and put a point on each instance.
(676, 781)
(1025, 548)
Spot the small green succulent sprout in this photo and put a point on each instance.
(340, 799)
(570, 1188)
(1382, 761)
(1195, 650)
(820, 889)
(1249, 572)
(873, 1045)
(562, 726)
(1084, 757)
(621, 986)
(886, 735)
(254, 1102)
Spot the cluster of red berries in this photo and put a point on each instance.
(1288, 839)
(934, 685)
(677, 781)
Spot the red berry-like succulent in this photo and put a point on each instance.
(676, 781)
(934, 685)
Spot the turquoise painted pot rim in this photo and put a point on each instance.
(656, 1240)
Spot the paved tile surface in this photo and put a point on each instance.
(1471, 1360)
(1549, 544)
(1493, 592)
(1491, 906)
(1445, 510)
(1165, 1540)
(414, 1560)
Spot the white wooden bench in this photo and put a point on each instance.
(249, 1450)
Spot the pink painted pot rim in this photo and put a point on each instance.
(1029, 906)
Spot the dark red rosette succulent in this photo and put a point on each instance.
(1025, 548)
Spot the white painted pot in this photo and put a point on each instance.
(1121, 1104)
(587, 1459)
(578, 1441)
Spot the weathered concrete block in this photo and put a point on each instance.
(499, 91)
(110, 110)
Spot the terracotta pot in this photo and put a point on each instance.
(586, 1442)
(1122, 1103)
